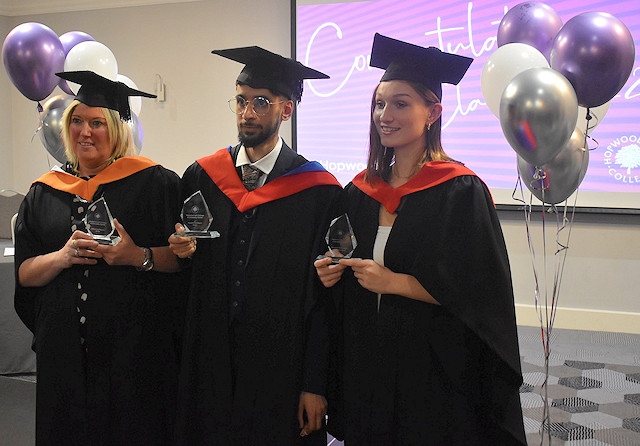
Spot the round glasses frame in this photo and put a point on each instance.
(259, 104)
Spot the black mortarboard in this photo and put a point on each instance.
(98, 91)
(264, 69)
(428, 66)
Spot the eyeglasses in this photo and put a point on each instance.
(260, 105)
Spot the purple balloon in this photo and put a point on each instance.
(72, 38)
(595, 51)
(532, 23)
(69, 40)
(65, 87)
(32, 53)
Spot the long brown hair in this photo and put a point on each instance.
(381, 157)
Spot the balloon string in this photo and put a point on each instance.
(564, 222)
(547, 313)
(527, 207)
(546, 323)
(589, 117)
(527, 220)
(36, 132)
(40, 125)
(595, 142)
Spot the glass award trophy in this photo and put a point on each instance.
(340, 239)
(99, 223)
(196, 218)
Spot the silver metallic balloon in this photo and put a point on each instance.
(556, 180)
(538, 113)
(136, 129)
(50, 132)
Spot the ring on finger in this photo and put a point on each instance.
(73, 243)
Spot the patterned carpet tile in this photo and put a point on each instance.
(587, 403)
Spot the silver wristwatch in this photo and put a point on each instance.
(147, 264)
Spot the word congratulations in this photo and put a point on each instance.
(472, 45)
(361, 62)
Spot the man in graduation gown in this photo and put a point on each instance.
(256, 342)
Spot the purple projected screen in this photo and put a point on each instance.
(333, 117)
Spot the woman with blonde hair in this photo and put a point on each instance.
(96, 295)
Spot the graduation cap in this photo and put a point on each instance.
(428, 66)
(264, 69)
(98, 91)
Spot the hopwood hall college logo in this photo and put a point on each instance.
(622, 159)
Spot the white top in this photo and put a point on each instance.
(378, 248)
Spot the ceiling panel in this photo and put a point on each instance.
(13, 8)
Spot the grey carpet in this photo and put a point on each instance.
(17, 410)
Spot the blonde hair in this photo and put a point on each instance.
(120, 134)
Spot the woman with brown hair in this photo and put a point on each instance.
(429, 350)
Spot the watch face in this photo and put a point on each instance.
(147, 264)
(148, 259)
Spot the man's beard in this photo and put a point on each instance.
(256, 138)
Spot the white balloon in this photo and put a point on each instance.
(596, 113)
(502, 66)
(135, 102)
(91, 56)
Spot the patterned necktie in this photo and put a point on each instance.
(250, 176)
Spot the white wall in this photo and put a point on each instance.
(174, 41)
(600, 285)
(6, 147)
(600, 289)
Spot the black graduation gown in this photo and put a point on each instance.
(421, 374)
(279, 342)
(122, 390)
